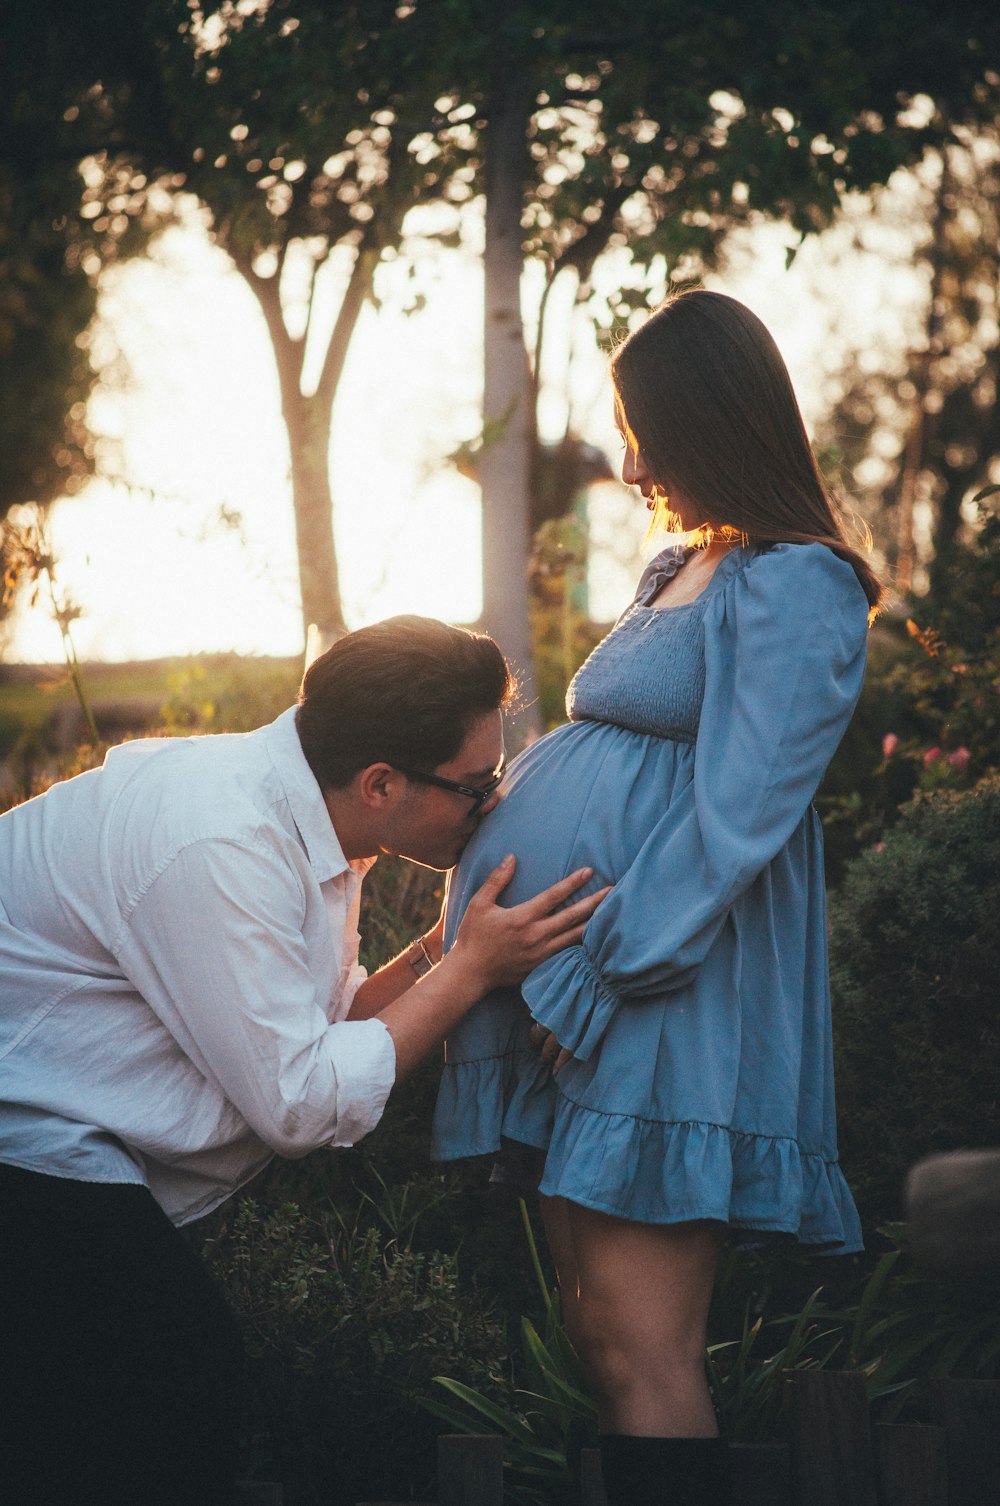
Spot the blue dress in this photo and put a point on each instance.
(697, 1006)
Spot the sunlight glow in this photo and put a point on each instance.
(186, 544)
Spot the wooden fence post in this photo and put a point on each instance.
(832, 1456)
(969, 1412)
(912, 1465)
(470, 1469)
(762, 1474)
(591, 1480)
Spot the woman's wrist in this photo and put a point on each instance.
(466, 970)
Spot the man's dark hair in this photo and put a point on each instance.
(406, 691)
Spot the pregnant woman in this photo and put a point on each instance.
(684, 1085)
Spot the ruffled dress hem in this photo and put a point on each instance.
(509, 1096)
(650, 1171)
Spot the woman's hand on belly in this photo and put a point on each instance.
(501, 946)
(549, 1048)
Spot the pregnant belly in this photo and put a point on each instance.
(587, 795)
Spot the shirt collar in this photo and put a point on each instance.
(306, 803)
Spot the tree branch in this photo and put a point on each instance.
(289, 353)
(358, 288)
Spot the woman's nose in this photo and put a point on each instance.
(633, 470)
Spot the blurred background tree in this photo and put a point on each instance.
(52, 248)
(916, 431)
(308, 132)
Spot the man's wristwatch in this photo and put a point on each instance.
(419, 957)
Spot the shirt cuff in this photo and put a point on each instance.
(364, 1059)
(354, 977)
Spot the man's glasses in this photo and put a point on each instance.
(478, 796)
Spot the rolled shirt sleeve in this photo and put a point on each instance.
(216, 946)
(785, 644)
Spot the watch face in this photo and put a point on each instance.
(419, 960)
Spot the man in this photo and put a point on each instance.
(180, 997)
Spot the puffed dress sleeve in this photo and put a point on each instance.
(785, 641)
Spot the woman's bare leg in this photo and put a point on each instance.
(555, 1221)
(635, 1298)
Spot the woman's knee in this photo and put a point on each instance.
(619, 1347)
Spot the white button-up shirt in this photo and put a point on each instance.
(178, 951)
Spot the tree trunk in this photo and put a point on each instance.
(922, 424)
(308, 422)
(308, 418)
(508, 417)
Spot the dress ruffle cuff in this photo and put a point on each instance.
(568, 996)
(663, 1173)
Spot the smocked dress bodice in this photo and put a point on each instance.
(696, 1006)
(649, 674)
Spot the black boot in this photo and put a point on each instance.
(665, 1471)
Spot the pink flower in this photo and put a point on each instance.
(889, 744)
(880, 847)
(931, 757)
(960, 759)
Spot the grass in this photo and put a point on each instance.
(201, 691)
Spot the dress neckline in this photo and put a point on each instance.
(663, 567)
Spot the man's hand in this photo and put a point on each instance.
(501, 946)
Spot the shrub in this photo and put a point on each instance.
(915, 958)
(343, 1327)
(37, 776)
(929, 715)
(228, 692)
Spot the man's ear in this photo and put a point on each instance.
(379, 785)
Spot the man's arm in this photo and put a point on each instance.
(215, 946)
(397, 976)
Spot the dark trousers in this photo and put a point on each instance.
(120, 1363)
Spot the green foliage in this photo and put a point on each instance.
(228, 693)
(45, 306)
(203, 693)
(929, 715)
(38, 776)
(951, 679)
(915, 957)
(399, 900)
(344, 1324)
(748, 1387)
(884, 1317)
(562, 635)
(545, 1418)
(57, 66)
(908, 1328)
(917, 422)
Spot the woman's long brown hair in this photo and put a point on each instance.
(707, 400)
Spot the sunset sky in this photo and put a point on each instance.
(190, 411)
